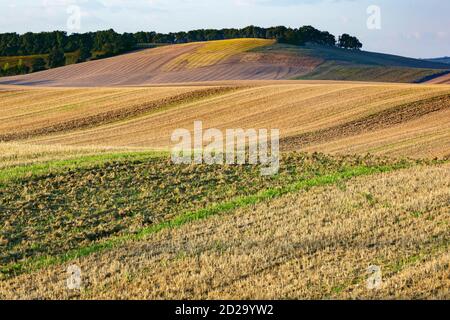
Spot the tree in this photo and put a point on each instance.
(21, 68)
(108, 42)
(277, 33)
(290, 36)
(309, 34)
(56, 58)
(348, 42)
(85, 53)
(5, 69)
(39, 64)
(181, 37)
(327, 39)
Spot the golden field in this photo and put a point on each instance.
(85, 179)
(236, 60)
(330, 117)
(214, 52)
(314, 244)
(191, 62)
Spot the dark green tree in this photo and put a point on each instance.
(21, 68)
(56, 58)
(85, 53)
(108, 42)
(5, 69)
(348, 42)
(39, 64)
(290, 36)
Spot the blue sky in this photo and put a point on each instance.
(416, 28)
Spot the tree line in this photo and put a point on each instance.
(100, 44)
(109, 42)
(300, 36)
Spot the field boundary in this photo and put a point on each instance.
(432, 77)
(15, 173)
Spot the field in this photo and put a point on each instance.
(329, 117)
(349, 65)
(445, 79)
(27, 60)
(86, 179)
(37, 112)
(336, 71)
(214, 52)
(226, 232)
(237, 59)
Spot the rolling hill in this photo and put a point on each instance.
(140, 227)
(86, 179)
(238, 59)
(440, 60)
(444, 79)
(332, 117)
(86, 176)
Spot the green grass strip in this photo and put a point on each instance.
(268, 194)
(183, 219)
(16, 173)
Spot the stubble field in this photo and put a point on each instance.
(330, 117)
(314, 243)
(86, 179)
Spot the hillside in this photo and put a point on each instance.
(440, 60)
(351, 65)
(238, 59)
(86, 179)
(444, 79)
(332, 117)
(205, 232)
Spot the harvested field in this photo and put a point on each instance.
(89, 204)
(237, 59)
(314, 244)
(86, 179)
(330, 117)
(378, 121)
(34, 113)
(427, 137)
(193, 62)
(214, 52)
(445, 79)
(349, 72)
(16, 154)
(91, 194)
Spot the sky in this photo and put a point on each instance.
(414, 28)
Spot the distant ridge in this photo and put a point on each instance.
(440, 60)
(237, 59)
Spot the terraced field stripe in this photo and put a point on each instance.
(377, 121)
(17, 173)
(122, 114)
(260, 197)
(240, 202)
